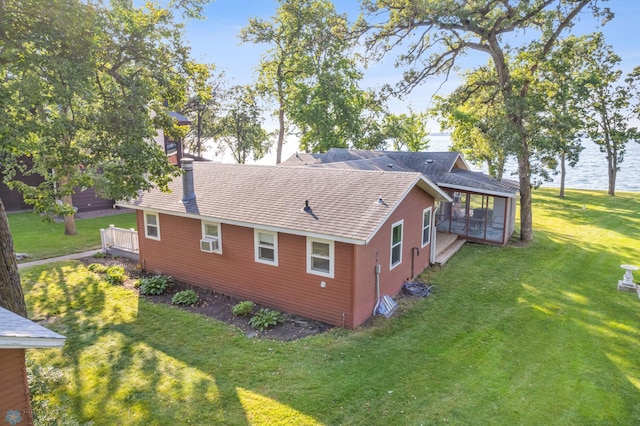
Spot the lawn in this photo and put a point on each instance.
(41, 239)
(530, 335)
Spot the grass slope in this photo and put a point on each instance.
(514, 335)
(40, 239)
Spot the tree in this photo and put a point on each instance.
(240, 129)
(203, 109)
(11, 296)
(560, 93)
(474, 113)
(97, 84)
(437, 33)
(311, 72)
(83, 90)
(610, 104)
(407, 131)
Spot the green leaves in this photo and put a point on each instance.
(311, 73)
(86, 93)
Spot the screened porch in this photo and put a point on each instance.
(473, 216)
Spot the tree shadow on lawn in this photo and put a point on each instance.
(599, 332)
(586, 208)
(113, 375)
(164, 365)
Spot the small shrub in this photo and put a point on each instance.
(99, 255)
(98, 268)
(186, 297)
(44, 381)
(155, 285)
(115, 275)
(265, 318)
(243, 308)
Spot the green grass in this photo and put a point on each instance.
(527, 335)
(40, 239)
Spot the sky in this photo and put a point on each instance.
(215, 40)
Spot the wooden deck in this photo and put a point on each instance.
(446, 246)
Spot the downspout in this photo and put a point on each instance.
(375, 308)
(434, 233)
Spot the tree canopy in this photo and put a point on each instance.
(85, 88)
(312, 73)
(432, 35)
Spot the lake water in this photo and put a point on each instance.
(589, 173)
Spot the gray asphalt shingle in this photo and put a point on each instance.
(343, 201)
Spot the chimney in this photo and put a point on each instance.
(188, 190)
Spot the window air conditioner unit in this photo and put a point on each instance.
(208, 245)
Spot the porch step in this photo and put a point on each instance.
(449, 251)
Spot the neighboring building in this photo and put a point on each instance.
(173, 147)
(321, 243)
(16, 335)
(85, 199)
(482, 209)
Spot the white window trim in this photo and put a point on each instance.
(391, 264)
(256, 246)
(430, 210)
(332, 259)
(219, 236)
(157, 225)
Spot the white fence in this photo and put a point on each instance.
(119, 239)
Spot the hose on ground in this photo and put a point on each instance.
(416, 289)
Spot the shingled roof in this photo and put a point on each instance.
(343, 202)
(19, 332)
(444, 168)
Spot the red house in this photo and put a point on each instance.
(16, 335)
(321, 243)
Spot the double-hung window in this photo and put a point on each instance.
(211, 241)
(320, 257)
(151, 226)
(426, 226)
(396, 244)
(266, 246)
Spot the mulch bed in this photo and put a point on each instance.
(218, 306)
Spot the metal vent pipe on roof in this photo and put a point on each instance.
(188, 188)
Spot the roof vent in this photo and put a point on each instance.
(429, 161)
(380, 201)
(306, 207)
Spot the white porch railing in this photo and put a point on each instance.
(120, 239)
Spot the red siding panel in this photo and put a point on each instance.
(235, 272)
(391, 280)
(14, 388)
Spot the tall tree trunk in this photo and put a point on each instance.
(280, 115)
(11, 296)
(280, 135)
(69, 220)
(612, 177)
(563, 173)
(526, 211)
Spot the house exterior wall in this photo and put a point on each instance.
(14, 388)
(379, 251)
(346, 300)
(234, 272)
